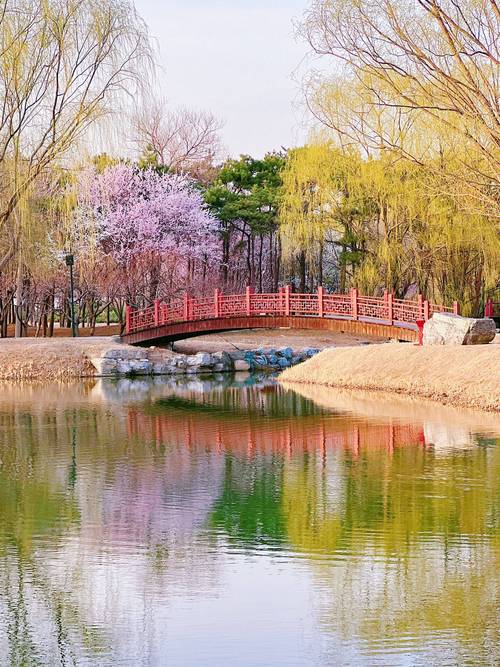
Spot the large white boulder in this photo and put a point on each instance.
(449, 329)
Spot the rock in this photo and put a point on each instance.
(124, 352)
(236, 355)
(241, 365)
(163, 368)
(141, 366)
(261, 361)
(287, 352)
(123, 367)
(202, 359)
(449, 329)
(104, 367)
(178, 370)
(180, 362)
(272, 358)
(312, 351)
(223, 358)
(284, 363)
(220, 368)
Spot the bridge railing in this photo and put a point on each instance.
(386, 309)
(492, 308)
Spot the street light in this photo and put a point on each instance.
(70, 261)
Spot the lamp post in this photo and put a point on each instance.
(70, 261)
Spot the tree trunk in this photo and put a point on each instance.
(19, 325)
(320, 264)
(261, 241)
(302, 272)
(52, 315)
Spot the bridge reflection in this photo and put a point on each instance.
(189, 423)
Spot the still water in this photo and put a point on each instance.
(239, 523)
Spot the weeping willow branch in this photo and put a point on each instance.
(64, 65)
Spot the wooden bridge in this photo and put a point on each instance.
(385, 317)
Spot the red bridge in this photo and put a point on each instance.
(385, 317)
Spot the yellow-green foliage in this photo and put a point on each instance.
(308, 206)
(399, 217)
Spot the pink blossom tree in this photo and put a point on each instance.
(153, 227)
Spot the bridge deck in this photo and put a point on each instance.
(171, 332)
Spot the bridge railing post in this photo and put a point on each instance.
(390, 308)
(248, 300)
(488, 308)
(456, 308)
(282, 305)
(186, 307)
(321, 295)
(157, 312)
(288, 291)
(354, 303)
(216, 303)
(420, 325)
(128, 310)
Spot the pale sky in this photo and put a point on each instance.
(238, 59)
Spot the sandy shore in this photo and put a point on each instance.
(464, 376)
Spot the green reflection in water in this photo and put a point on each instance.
(250, 507)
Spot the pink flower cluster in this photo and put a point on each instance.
(141, 212)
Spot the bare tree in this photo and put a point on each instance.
(180, 138)
(63, 65)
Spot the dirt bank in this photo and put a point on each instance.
(50, 358)
(466, 376)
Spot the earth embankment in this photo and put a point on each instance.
(458, 375)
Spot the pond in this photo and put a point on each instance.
(237, 522)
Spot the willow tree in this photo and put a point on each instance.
(64, 64)
(324, 213)
(305, 214)
(419, 80)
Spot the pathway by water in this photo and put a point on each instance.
(236, 523)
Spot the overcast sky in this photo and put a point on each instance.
(237, 58)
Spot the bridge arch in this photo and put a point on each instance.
(385, 317)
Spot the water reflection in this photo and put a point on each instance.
(237, 522)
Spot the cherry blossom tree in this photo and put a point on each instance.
(154, 227)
